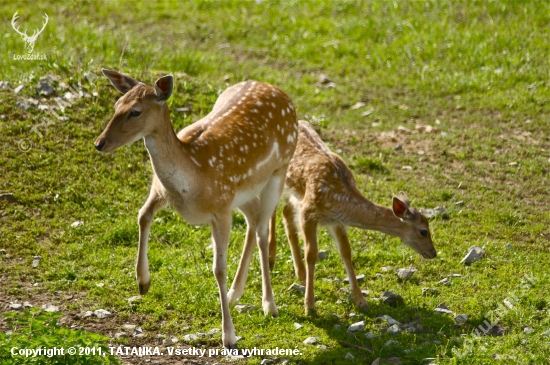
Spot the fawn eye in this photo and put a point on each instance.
(424, 232)
(134, 113)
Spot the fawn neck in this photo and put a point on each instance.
(362, 213)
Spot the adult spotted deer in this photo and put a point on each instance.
(235, 157)
(322, 191)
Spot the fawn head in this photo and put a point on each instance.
(137, 113)
(416, 232)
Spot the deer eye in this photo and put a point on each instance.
(424, 232)
(134, 113)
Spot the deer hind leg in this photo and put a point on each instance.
(250, 211)
(273, 239)
(290, 219)
(221, 229)
(269, 198)
(152, 205)
(309, 230)
(339, 234)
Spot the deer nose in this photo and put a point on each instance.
(99, 146)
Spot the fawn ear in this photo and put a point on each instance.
(164, 87)
(400, 208)
(120, 81)
(404, 198)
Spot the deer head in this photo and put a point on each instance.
(29, 40)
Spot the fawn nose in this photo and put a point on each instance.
(99, 145)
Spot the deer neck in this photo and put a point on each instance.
(365, 214)
(170, 164)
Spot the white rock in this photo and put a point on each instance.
(77, 224)
(406, 273)
(358, 105)
(349, 356)
(323, 255)
(16, 306)
(311, 341)
(170, 341)
(390, 343)
(394, 329)
(297, 287)
(50, 308)
(357, 326)
(243, 308)
(474, 254)
(388, 319)
(322, 347)
(36, 260)
(87, 314)
(546, 333)
(461, 318)
(121, 334)
(190, 337)
(528, 330)
(27, 305)
(297, 326)
(18, 89)
(370, 335)
(442, 308)
(134, 299)
(102, 313)
(360, 278)
(129, 327)
(385, 268)
(213, 331)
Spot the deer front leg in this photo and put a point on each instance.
(152, 205)
(309, 228)
(339, 234)
(221, 229)
(289, 219)
(250, 211)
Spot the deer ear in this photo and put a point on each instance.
(120, 81)
(404, 198)
(400, 209)
(164, 87)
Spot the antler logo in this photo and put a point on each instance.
(29, 40)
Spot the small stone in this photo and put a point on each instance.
(44, 88)
(9, 197)
(391, 298)
(297, 326)
(391, 343)
(509, 246)
(18, 89)
(36, 260)
(322, 347)
(459, 203)
(546, 333)
(456, 276)
(360, 278)
(22, 105)
(398, 147)
(121, 335)
(349, 356)
(430, 291)
(227, 78)
(407, 167)
(134, 299)
(190, 337)
(514, 163)
(367, 113)
(357, 326)
(498, 330)
(402, 129)
(324, 79)
(385, 268)
(77, 224)
(311, 341)
(243, 308)
(298, 288)
(461, 318)
(406, 273)
(369, 335)
(213, 331)
(138, 332)
(358, 105)
(100, 285)
(413, 327)
(87, 314)
(183, 109)
(129, 327)
(50, 308)
(444, 281)
(474, 254)
(442, 308)
(378, 275)
(16, 306)
(102, 313)
(27, 305)
(421, 153)
(394, 329)
(170, 341)
(323, 255)
(4, 85)
(527, 330)
(365, 293)
(330, 85)
(267, 362)
(388, 319)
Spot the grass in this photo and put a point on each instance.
(477, 71)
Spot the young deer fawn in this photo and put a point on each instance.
(322, 191)
(235, 157)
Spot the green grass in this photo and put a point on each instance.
(478, 71)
